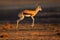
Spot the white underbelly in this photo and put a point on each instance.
(27, 15)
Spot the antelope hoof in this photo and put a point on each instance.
(32, 25)
(16, 27)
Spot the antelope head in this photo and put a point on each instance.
(39, 8)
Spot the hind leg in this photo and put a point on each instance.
(19, 21)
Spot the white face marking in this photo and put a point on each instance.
(27, 15)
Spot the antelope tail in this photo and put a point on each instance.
(21, 16)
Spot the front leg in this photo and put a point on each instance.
(33, 21)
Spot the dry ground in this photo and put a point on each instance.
(26, 32)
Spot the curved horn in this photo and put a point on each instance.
(36, 3)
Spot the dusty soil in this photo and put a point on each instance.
(26, 32)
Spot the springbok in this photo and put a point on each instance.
(28, 13)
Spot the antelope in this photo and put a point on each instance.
(28, 13)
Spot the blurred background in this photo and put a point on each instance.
(9, 10)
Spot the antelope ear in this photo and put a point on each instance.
(39, 6)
